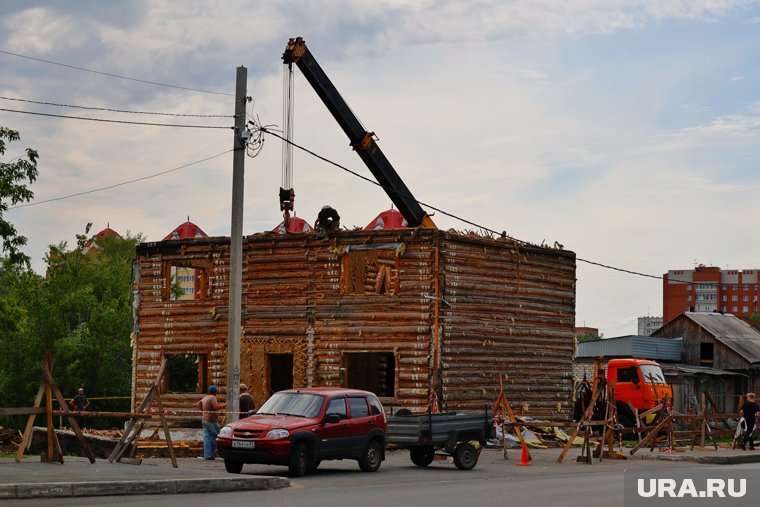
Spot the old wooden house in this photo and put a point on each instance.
(723, 342)
(414, 315)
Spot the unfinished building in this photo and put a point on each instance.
(415, 315)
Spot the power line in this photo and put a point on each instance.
(115, 75)
(119, 110)
(117, 121)
(119, 184)
(451, 215)
(501, 234)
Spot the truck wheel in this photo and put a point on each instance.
(298, 464)
(372, 457)
(232, 466)
(465, 456)
(421, 456)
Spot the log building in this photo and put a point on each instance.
(413, 315)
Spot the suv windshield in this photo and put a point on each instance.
(298, 404)
(652, 373)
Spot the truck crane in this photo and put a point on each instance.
(362, 142)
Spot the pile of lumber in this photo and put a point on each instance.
(9, 439)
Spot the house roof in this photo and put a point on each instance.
(647, 347)
(388, 219)
(297, 224)
(674, 370)
(91, 245)
(731, 331)
(186, 230)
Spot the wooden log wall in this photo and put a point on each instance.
(166, 326)
(511, 311)
(447, 312)
(324, 299)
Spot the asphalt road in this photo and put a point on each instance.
(494, 481)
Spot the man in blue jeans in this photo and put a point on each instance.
(209, 405)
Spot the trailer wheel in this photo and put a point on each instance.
(465, 456)
(421, 456)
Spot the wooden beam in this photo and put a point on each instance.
(26, 439)
(72, 420)
(22, 410)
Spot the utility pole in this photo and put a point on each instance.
(236, 249)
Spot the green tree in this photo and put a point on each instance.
(81, 310)
(587, 337)
(15, 178)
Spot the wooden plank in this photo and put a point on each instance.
(72, 420)
(167, 434)
(26, 439)
(22, 410)
(652, 435)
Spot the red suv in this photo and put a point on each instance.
(299, 428)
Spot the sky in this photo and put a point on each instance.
(626, 131)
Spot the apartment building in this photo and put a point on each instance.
(709, 289)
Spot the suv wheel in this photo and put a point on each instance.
(232, 466)
(299, 460)
(372, 457)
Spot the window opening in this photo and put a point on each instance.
(706, 351)
(185, 282)
(186, 373)
(370, 272)
(371, 371)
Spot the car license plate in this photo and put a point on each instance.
(244, 444)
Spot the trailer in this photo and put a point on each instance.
(461, 436)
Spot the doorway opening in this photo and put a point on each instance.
(280, 372)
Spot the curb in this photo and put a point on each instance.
(154, 487)
(738, 459)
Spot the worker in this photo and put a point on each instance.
(328, 219)
(210, 406)
(79, 403)
(247, 405)
(748, 411)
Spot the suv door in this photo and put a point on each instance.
(334, 438)
(361, 423)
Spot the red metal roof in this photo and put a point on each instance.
(107, 233)
(186, 230)
(388, 219)
(297, 224)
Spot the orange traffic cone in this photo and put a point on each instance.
(525, 459)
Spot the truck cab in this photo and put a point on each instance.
(638, 381)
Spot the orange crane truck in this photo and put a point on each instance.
(637, 383)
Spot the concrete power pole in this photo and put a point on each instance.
(236, 249)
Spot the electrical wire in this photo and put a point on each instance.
(119, 184)
(118, 110)
(115, 75)
(117, 121)
(451, 215)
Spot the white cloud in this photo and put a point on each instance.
(476, 104)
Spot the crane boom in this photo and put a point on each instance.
(362, 142)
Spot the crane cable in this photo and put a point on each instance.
(287, 194)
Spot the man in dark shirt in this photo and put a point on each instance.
(79, 403)
(749, 411)
(246, 401)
